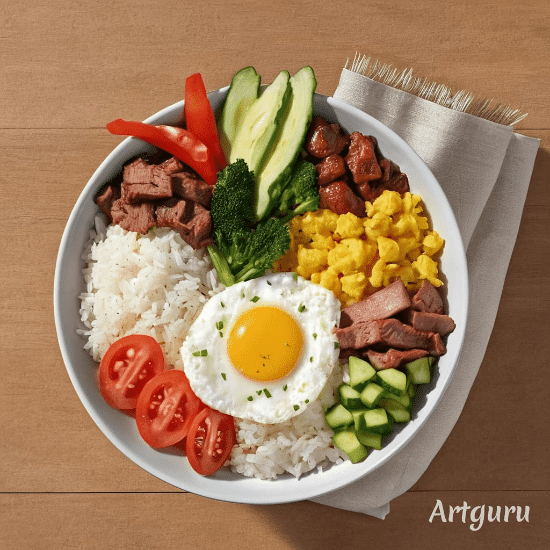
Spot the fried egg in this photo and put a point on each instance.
(263, 349)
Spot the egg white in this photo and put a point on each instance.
(221, 386)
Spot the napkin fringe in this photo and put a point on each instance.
(466, 102)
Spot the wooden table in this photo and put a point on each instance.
(67, 68)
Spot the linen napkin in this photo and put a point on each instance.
(485, 168)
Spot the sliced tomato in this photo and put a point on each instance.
(200, 119)
(210, 440)
(165, 409)
(126, 367)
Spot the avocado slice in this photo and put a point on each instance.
(259, 124)
(242, 93)
(282, 153)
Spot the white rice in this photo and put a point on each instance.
(157, 284)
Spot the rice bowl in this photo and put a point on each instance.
(226, 485)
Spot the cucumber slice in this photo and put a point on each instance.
(356, 414)
(396, 410)
(371, 394)
(360, 373)
(260, 123)
(376, 421)
(338, 417)
(419, 371)
(346, 439)
(392, 380)
(349, 398)
(283, 151)
(404, 399)
(242, 93)
(369, 439)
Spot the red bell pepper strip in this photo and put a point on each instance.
(200, 119)
(178, 142)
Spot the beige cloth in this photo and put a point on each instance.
(485, 169)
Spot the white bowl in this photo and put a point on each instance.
(224, 485)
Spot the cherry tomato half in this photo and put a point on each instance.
(165, 409)
(126, 367)
(209, 441)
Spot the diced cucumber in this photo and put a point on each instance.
(350, 398)
(419, 370)
(392, 380)
(338, 416)
(396, 410)
(371, 394)
(346, 439)
(369, 439)
(360, 373)
(376, 421)
(411, 389)
(356, 413)
(404, 399)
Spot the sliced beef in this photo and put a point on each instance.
(191, 220)
(371, 190)
(330, 169)
(427, 299)
(133, 217)
(389, 332)
(324, 139)
(106, 198)
(382, 304)
(394, 358)
(361, 159)
(157, 188)
(433, 322)
(190, 186)
(340, 198)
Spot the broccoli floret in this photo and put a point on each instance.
(301, 193)
(243, 249)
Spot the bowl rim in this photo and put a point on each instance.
(223, 489)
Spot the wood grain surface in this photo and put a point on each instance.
(67, 68)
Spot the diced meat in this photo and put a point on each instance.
(330, 169)
(190, 186)
(171, 166)
(427, 299)
(133, 217)
(434, 322)
(382, 304)
(191, 220)
(106, 198)
(361, 159)
(138, 171)
(324, 139)
(340, 198)
(394, 358)
(157, 188)
(389, 332)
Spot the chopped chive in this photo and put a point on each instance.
(221, 334)
(307, 401)
(266, 391)
(224, 376)
(296, 407)
(259, 392)
(242, 294)
(285, 387)
(336, 345)
(315, 336)
(311, 359)
(255, 299)
(204, 352)
(301, 308)
(269, 283)
(222, 304)
(219, 325)
(250, 398)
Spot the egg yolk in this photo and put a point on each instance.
(265, 343)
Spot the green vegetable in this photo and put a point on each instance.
(243, 249)
(278, 163)
(301, 192)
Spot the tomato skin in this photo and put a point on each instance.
(126, 367)
(165, 409)
(206, 455)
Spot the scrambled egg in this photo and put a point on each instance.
(353, 257)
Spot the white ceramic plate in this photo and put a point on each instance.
(224, 485)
